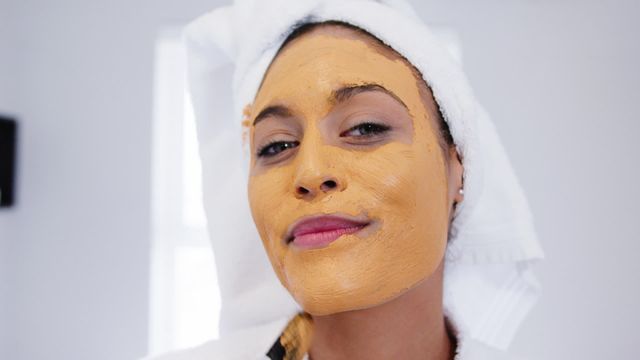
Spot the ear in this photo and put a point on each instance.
(456, 170)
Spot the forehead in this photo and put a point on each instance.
(328, 57)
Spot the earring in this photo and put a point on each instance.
(461, 191)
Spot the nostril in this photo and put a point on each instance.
(329, 184)
(302, 191)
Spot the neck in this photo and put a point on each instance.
(411, 326)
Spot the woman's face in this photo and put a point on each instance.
(348, 184)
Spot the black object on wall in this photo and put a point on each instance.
(8, 140)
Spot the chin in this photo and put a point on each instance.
(324, 303)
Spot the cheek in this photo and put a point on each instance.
(391, 178)
(265, 191)
(273, 203)
(405, 186)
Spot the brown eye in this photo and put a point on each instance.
(276, 147)
(366, 129)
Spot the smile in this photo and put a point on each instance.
(320, 231)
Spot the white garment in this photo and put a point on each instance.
(253, 344)
(488, 286)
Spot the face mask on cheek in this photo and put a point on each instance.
(400, 188)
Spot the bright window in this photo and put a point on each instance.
(184, 295)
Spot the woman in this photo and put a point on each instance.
(379, 188)
(352, 187)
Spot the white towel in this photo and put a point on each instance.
(488, 284)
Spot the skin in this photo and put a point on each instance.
(377, 293)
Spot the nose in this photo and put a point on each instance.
(311, 187)
(315, 178)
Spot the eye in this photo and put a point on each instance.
(276, 147)
(366, 129)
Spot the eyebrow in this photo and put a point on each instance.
(273, 110)
(337, 96)
(345, 93)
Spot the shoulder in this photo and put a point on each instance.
(247, 344)
(470, 349)
(201, 352)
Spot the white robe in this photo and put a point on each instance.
(253, 344)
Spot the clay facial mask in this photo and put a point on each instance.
(348, 185)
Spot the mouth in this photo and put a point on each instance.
(320, 231)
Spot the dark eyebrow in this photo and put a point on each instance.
(273, 110)
(338, 96)
(345, 93)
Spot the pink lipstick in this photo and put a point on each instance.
(320, 231)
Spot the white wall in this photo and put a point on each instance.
(78, 241)
(6, 217)
(559, 77)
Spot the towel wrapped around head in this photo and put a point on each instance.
(488, 286)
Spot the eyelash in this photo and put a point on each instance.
(263, 151)
(373, 128)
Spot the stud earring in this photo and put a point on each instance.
(461, 191)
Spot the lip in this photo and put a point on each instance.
(319, 231)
